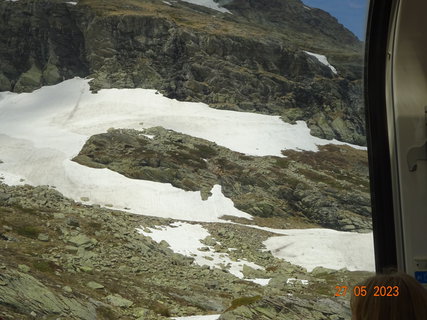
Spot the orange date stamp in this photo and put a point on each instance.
(362, 291)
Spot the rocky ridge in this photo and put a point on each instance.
(251, 60)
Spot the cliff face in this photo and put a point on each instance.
(40, 44)
(251, 60)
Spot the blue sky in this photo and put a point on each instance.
(351, 13)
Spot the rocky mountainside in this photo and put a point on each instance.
(62, 259)
(251, 59)
(107, 246)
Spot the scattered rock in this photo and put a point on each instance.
(73, 222)
(118, 301)
(79, 240)
(86, 269)
(24, 268)
(67, 289)
(58, 215)
(94, 285)
(43, 237)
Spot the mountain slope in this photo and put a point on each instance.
(252, 59)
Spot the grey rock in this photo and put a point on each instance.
(24, 268)
(4, 196)
(94, 285)
(51, 74)
(29, 80)
(73, 222)
(43, 237)
(67, 289)
(79, 240)
(348, 227)
(321, 271)
(39, 298)
(118, 301)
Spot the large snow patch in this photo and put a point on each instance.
(328, 248)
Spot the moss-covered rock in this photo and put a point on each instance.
(51, 74)
(29, 80)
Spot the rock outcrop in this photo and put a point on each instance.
(304, 186)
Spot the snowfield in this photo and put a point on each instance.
(184, 238)
(328, 248)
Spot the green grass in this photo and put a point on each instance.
(44, 266)
(28, 231)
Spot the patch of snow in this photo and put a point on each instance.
(209, 317)
(322, 59)
(295, 280)
(328, 248)
(72, 3)
(167, 2)
(209, 4)
(184, 238)
(260, 281)
(149, 136)
(306, 7)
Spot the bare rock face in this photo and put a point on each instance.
(27, 295)
(41, 44)
(253, 60)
